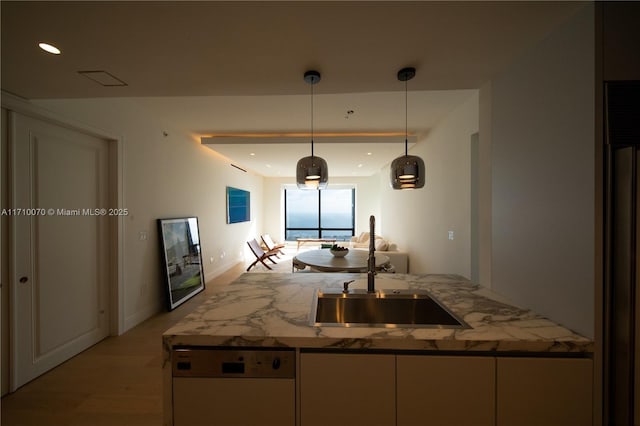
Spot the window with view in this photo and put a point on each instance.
(327, 213)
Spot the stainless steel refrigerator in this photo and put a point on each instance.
(622, 254)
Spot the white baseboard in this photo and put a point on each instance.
(140, 316)
(220, 269)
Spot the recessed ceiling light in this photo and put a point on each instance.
(49, 48)
(369, 153)
(359, 166)
(268, 166)
(252, 154)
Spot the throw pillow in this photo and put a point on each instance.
(363, 237)
(381, 245)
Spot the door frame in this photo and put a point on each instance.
(4, 261)
(15, 104)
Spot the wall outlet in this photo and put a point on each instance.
(451, 235)
(222, 255)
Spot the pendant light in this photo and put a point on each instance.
(408, 171)
(312, 172)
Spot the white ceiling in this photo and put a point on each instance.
(346, 156)
(211, 67)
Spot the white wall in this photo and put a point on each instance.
(164, 177)
(367, 202)
(543, 176)
(484, 187)
(419, 220)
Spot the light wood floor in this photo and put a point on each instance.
(114, 383)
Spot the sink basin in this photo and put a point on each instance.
(387, 308)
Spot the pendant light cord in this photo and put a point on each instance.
(406, 126)
(312, 82)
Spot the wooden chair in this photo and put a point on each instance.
(260, 254)
(271, 245)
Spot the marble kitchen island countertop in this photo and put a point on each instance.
(272, 310)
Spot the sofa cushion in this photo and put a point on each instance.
(381, 245)
(399, 260)
(363, 237)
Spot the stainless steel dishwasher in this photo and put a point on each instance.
(231, 386)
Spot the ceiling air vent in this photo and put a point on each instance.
(103, 78)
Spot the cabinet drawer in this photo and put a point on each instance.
(347, 389)
(544, 391)
(445, 390)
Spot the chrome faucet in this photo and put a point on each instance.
(371, 263)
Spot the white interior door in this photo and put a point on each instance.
(60, 245)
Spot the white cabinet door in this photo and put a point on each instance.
(445, 390)
(544, 391)
(233, 401)
(347, 389)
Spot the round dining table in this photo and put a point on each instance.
(322, 260)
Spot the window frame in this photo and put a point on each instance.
(319, 228)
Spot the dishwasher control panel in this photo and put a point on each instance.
(231, 362)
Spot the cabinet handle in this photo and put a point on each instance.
(24, 279)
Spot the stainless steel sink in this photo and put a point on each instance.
(388, 308)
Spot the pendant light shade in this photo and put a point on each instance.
(408, 171)
(312, 172)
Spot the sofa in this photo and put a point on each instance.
(399, 259)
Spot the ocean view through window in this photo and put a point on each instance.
(325, 213)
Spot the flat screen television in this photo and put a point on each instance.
(238, 205)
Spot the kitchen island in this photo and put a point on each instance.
(272, 311)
